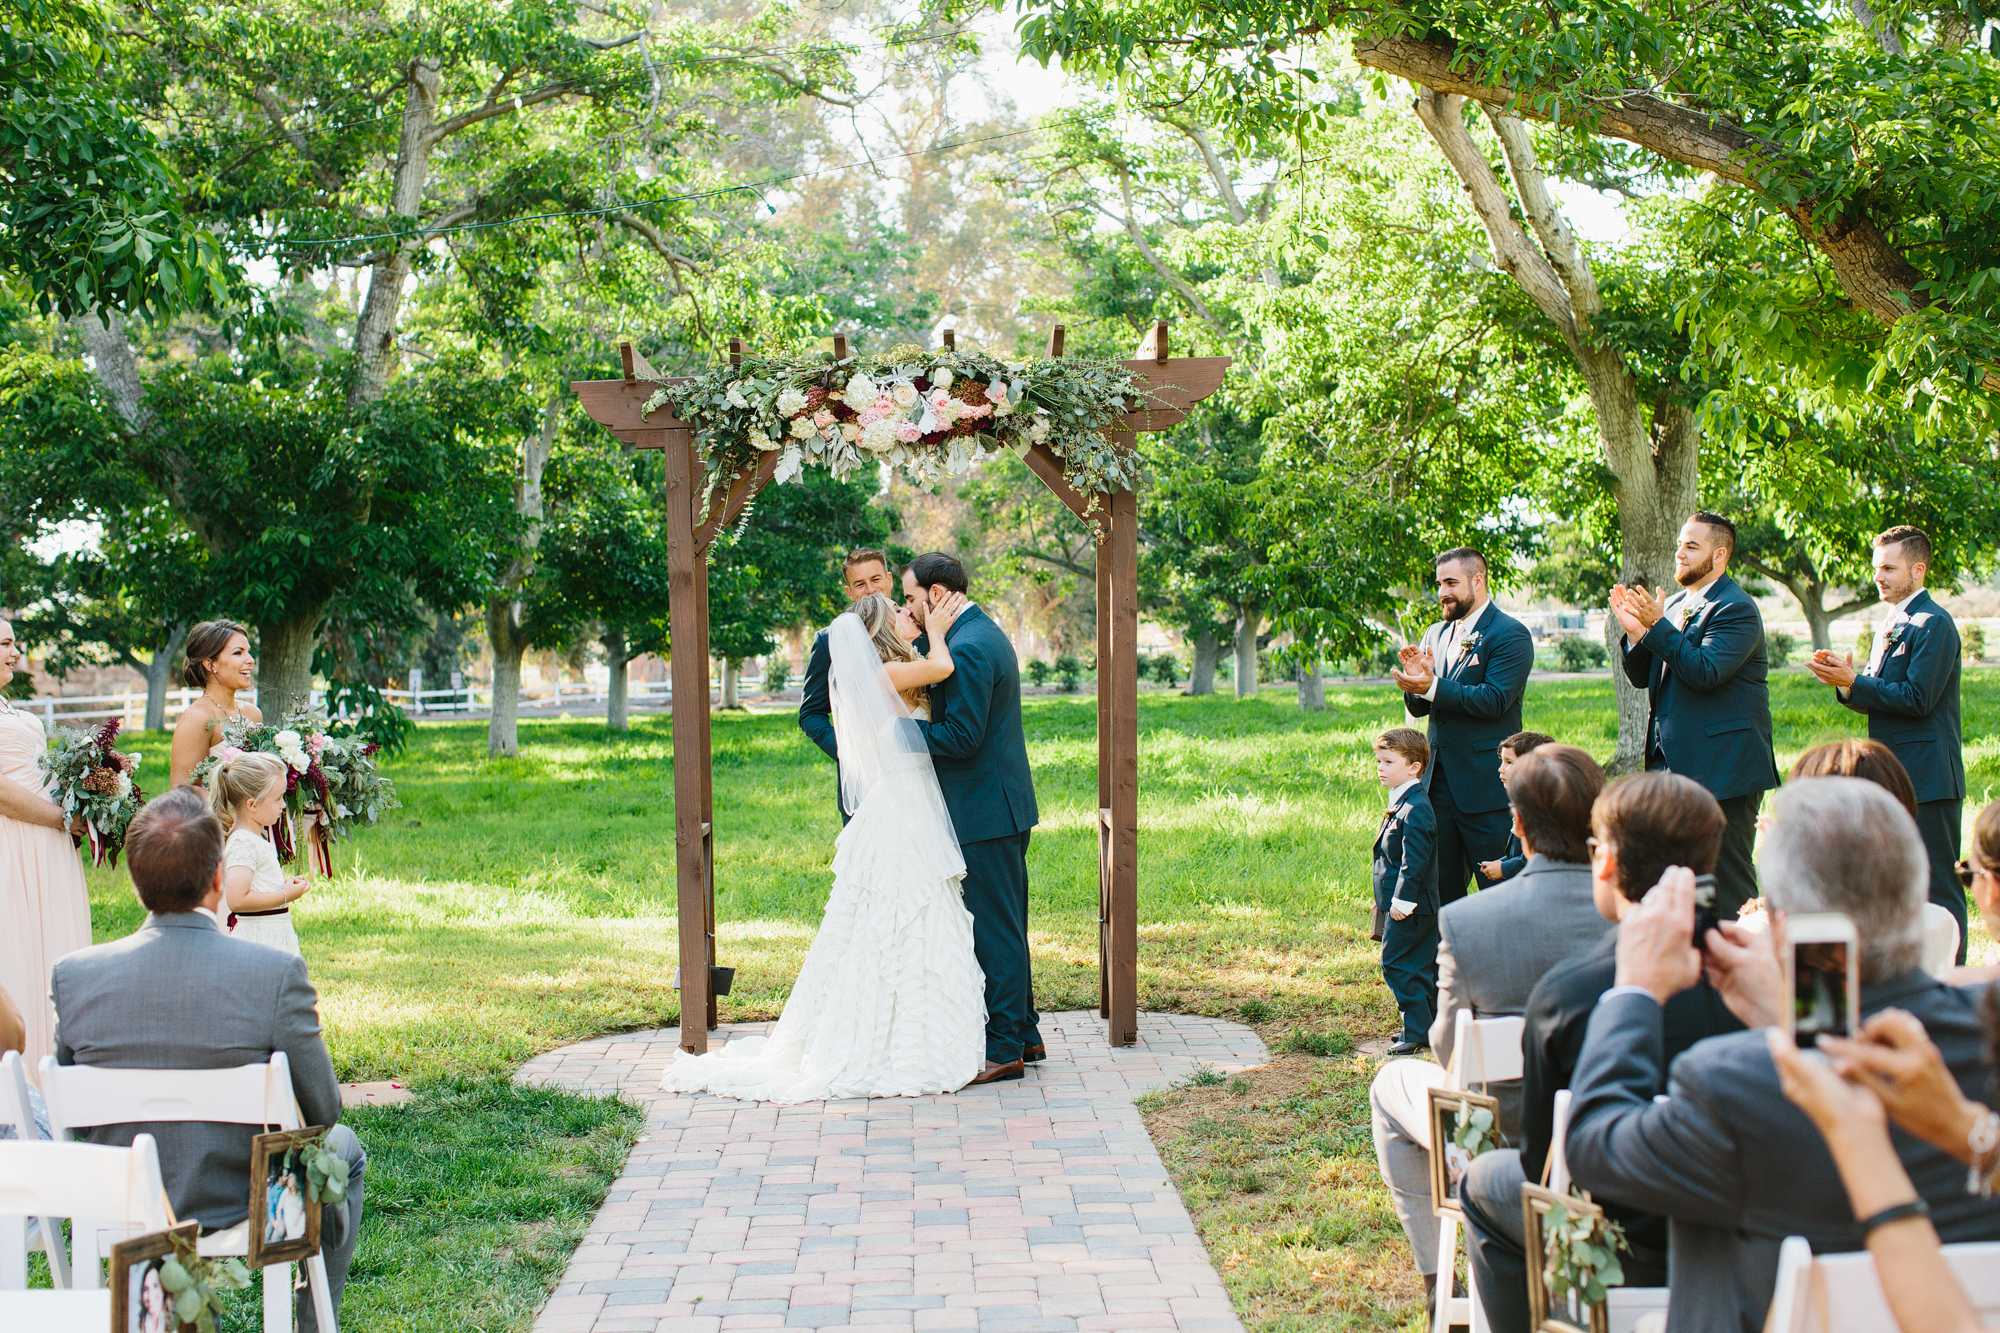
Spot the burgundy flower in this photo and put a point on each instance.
(108, 733)
(102, 781)
(816, 397)
(969, 390)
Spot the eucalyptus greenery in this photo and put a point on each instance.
(196, 1283)
(1475, 1132)
(1580, 1253)
(326, 1173)
(933, 413)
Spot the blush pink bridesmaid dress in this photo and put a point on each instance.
(44, 906)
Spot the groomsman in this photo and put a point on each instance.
(1909, 690)
(1699, 655)
(864, 571)
(1467, 675)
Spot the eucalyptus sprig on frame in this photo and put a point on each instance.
(1581, 1253)
(195, 1283)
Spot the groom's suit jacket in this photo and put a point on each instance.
(1911, 699)
(182, 993)
(975, 736)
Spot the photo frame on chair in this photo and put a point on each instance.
(1552, 1313)
(140, 1301)
(1464, 1125)
(284, 1222)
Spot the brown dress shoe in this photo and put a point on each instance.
(1034, 1055)
(999, 1073)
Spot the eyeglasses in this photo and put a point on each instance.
(1966, 872)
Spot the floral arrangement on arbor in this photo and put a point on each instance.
(931, 412)
(331, 784)
(94, 781)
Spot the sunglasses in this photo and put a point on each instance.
(1966, 871)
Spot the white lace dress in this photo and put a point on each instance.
(891, 1001)
(247, 847)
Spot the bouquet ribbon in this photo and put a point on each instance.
(99, 848)
(284, 837)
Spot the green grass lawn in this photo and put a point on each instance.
(515, 905)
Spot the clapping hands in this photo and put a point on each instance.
(1417, 672)
(1637, 609)
(1832, 669)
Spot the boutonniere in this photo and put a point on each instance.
(1890, 639)
(1689, 612)
(1470, 641)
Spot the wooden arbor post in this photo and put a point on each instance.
(696, 513)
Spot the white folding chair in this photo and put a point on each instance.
(1629, 1308)
(1483, 1051)
(115, 1187)
(1841, 1293)
(19, 1235)
(85, 1096)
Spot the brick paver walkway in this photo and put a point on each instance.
(1038, 1206)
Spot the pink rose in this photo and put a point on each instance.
(908, 432)
(225, 752)
(822, 418)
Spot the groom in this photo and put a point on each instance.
(981, 760)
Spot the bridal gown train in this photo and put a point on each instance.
(891, 1001)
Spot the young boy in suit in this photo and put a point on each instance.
(1406, 888)
(1512, 862)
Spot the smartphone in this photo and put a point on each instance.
(1822, 976)
(1705, 915)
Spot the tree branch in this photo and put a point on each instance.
(493, 106)
(1558, 241)
(280, 117)
(1151, 256)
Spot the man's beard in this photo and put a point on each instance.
(1898, 593)
(1690, 576)
(1455, 609)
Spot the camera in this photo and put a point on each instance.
(1705, 915)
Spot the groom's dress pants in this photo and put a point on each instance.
(996, 893)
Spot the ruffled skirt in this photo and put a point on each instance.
(891, 1001)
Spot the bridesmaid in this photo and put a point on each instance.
(44, 907)
(218, 664)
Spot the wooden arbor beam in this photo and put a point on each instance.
(696, 513)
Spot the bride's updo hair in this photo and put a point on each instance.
(206, 642)
(878, 617)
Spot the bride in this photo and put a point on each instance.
(890, 1002)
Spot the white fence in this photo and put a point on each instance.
(130, 707)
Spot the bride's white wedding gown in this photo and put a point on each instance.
(891, 1001)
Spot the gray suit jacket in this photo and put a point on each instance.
(1735, 1167)
(1494, 945)
(181, 993)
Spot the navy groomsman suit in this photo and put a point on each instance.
(981, 758)
(1909, 690)
(816, 710)
(1482, 663)
(1703, 669)
(1405, 871)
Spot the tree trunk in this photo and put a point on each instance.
(1249, 619)
(503, 612)
(159, 675)
(617, 713)
(284, 664)
(732, 667)
(115, 366)
(1312, 690)
(1819, 625)
(502, 730)
(1207, 651)
(375, 332)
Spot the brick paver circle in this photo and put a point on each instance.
(1038, 1206)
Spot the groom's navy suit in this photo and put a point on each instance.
(816, 710)
(981, 759)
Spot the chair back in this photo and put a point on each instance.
(117, 1187)
(85, 1096)
(15, 1108)
(1558, 1139)
(1841, 1293)
(1484, 1050)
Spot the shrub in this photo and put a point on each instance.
(1068, 673)
(1778, 647)
(1864, 642)
(1973, 637)
(1325, 1044)
(1254, 1010)
(1167, 668)
(1038, 671)
(1578, 653)
(777, 673)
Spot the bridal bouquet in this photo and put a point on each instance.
(331, 785)
(94, 781)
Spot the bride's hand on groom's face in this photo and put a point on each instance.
(943, 612)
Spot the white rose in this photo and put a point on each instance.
(880, 437)
(905, 395)
(802, 428)
(288, 739)
(942, 377)
(850, 432)
(124, 784)
(791, 402)
(860, 392)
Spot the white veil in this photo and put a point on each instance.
(881, 748)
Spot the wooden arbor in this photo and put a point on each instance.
(698, 509)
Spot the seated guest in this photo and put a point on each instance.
(14, 1037)
(1495, 946)
(1859, 757)
(1895, 1072)
(1511, 750)
(180, 993)
(1643, 824)
(1733, 1165)
(1980, 872)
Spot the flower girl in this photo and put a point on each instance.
(247, 793)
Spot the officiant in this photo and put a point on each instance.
(864, 571)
